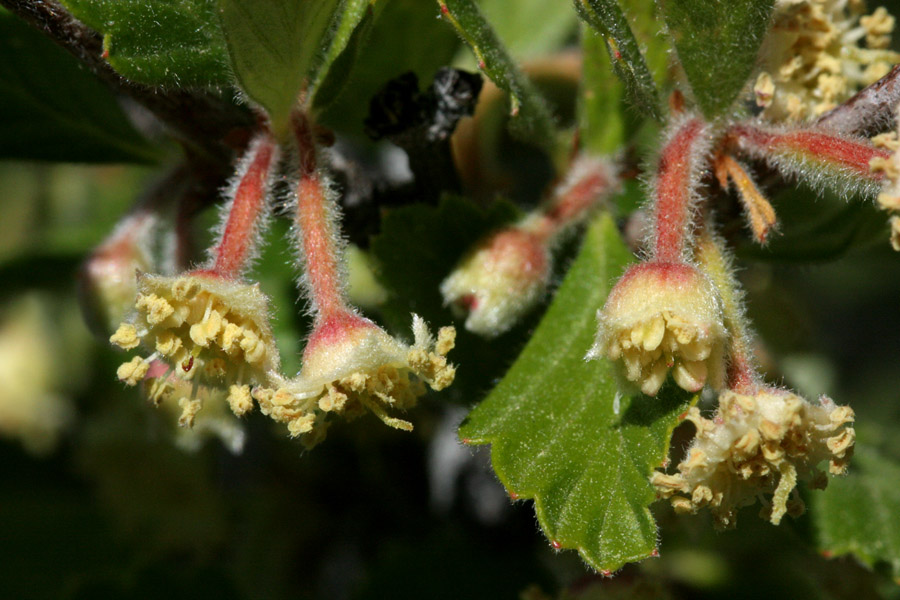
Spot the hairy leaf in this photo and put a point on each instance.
(51, 108)
(717, 43)
(607, 18)
(159, 42)
(561, 433)
(275, 47)
(532, 120)
(858, 514)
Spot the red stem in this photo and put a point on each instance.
(675, 193)
(316, 223)
(847, 153)
(249, 202)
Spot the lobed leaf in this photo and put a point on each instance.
(51, 108)
(858, 514)
(275, 48)
(717, 43)
(159, 42)
(532, 120)
(607, 18)
(560, 432)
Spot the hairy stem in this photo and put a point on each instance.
(715, 261)
(674, 195)
(316, 222)
(236, 245)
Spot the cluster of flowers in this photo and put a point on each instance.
(208, 332)
(680, 310)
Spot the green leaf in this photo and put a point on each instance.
(159, 42)
(51, 108)
(717, 43)
(607, 18)
(354, 25)
(858, 514)
(275, 47)
(561, 433)
(532, 121)
(601, 118)
(530, 28)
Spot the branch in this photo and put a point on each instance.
(870, 111)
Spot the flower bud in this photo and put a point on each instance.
(662, 316)
(106, 283)
(350, 365)
(758, 444)
(499, 281)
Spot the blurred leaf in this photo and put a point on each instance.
(813, 227)
(601, 116)
(392, 47)
(275, 45)
(858, 514)
(530, 28)
(717, 43)
(561, 433)
(607, 18)
(51, 108)
(160, 42)
(354, 25)
(532, 120)
(417, 248)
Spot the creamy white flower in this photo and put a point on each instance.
(661, 317)
(755, 445)
(351, 365)
(203, 329)
(812, 59)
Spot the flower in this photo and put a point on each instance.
(202, 328)
(349, 365)
(499, 280)
(662, 316)
(33, 406)
(758, 444)
(174, 396)
(812, 61)
(889, 198)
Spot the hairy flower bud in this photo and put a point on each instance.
(758, 444)
(106, 282)
(500, 280)
(662, 316)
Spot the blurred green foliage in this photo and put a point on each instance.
(117, 509)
